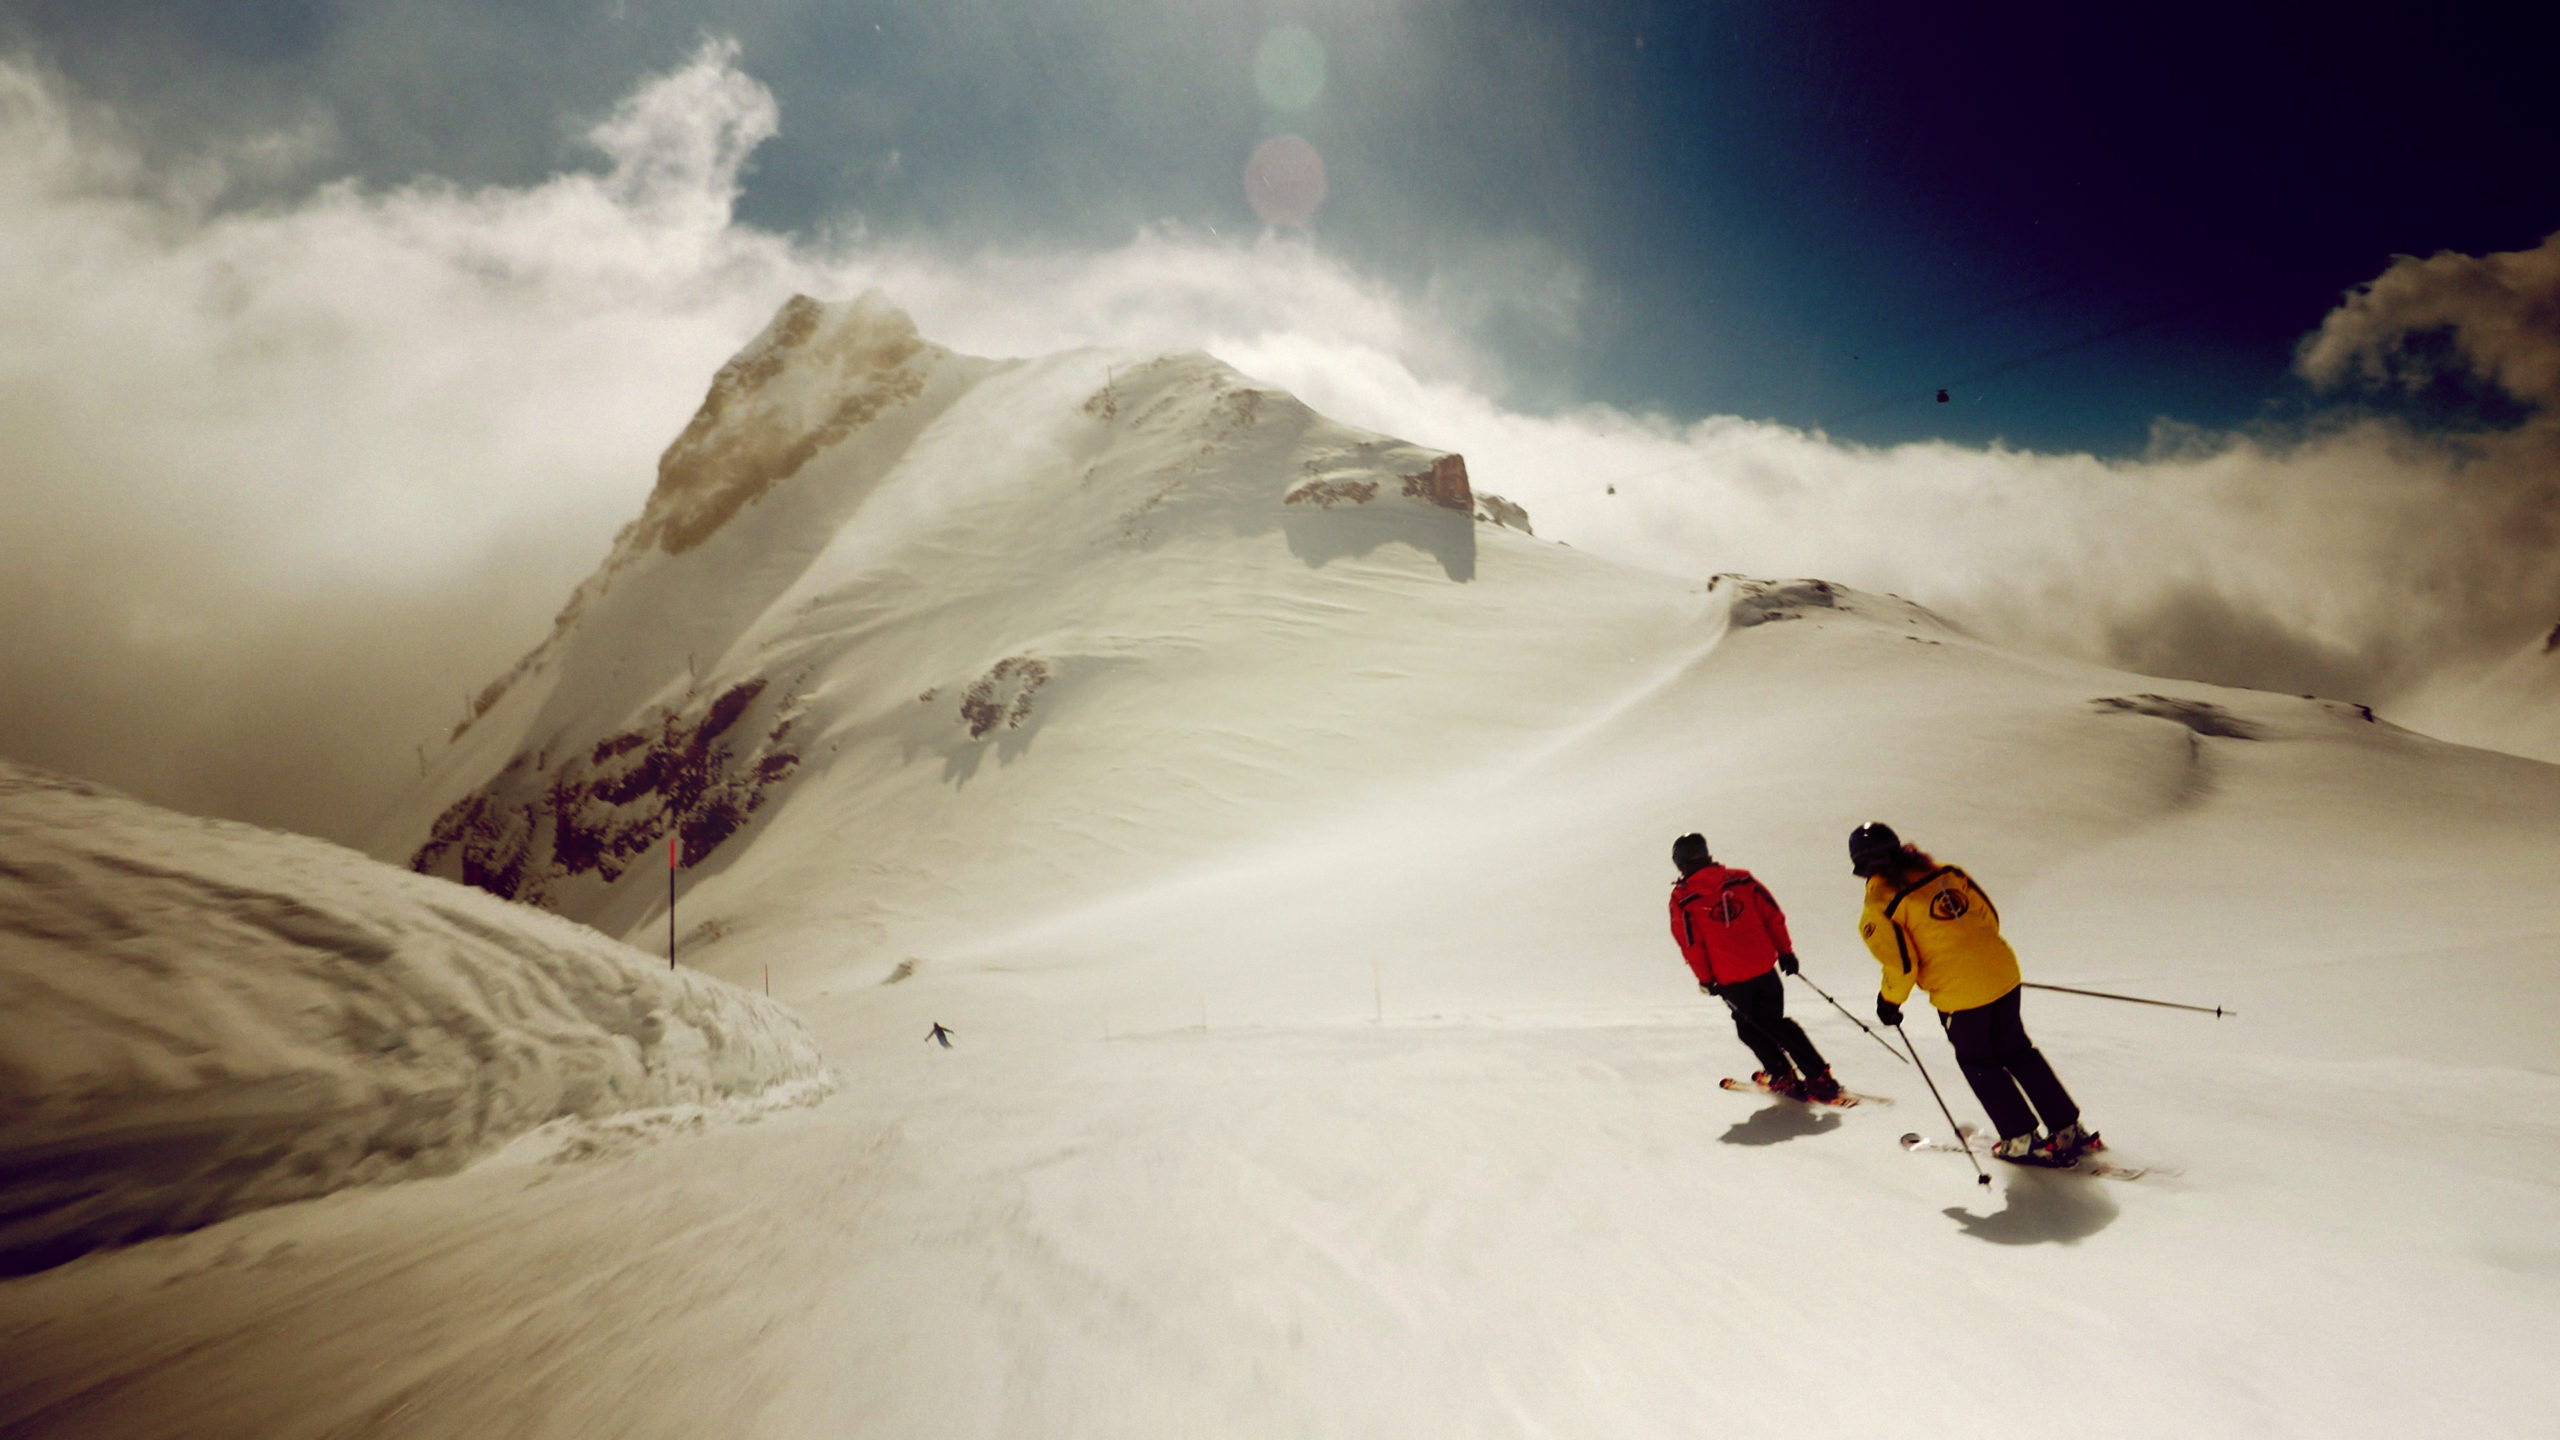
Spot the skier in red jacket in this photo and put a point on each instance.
(1734, 937)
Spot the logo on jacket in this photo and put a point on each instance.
(1727, 909)
(1948, 905)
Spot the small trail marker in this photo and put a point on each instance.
(672, 842)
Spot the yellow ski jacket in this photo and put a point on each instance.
(1941, 933)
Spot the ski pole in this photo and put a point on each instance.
(1854, 1020)
(1980, 1175)
(1757, 1028)
(2217, 1012)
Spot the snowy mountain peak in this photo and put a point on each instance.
(817, 373)
(863, 538)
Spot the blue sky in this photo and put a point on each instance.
(2074, 219)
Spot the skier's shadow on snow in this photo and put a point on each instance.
(2041, 1210)
(1776, 1124)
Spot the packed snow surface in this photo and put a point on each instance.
(200, 1018)
(1290, 875)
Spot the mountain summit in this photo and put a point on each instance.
(866, 552)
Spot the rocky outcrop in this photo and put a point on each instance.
(1758, 602)
(847, 366)
(545, 819)
(1494, 510)
(1444, 484)
(1002, 696)
(1325, 494)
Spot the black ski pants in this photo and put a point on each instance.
(1760, 1018)
(2007, 1072)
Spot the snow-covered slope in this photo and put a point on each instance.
(875, 578)
(1291, 877)
(2514, 706)
(199, 1018)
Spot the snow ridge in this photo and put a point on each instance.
(200, 1018)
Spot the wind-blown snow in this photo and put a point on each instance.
(2513, 705)
(200, 1018)
(1290, 877)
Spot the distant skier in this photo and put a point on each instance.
(940, 1034)
(1928, 924)
(1735, 939)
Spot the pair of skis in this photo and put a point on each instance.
(1968, 1136)
(1847, 1098)
(2088, 1162)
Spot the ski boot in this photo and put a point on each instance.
(2066, 1145)
(1785, 1084)
(2020, 1149)
(1821, 1089)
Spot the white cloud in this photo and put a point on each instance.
(282, 484)
(2502, 312)
(379, 432)
(2348, 561)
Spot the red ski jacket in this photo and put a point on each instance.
(1729, 926)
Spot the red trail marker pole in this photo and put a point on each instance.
(671, 901)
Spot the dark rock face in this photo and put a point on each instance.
(605, 808)
(1444, 484)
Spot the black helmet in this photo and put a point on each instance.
(1872, 845)
(1689, 852)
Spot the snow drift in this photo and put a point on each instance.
(199, 1018)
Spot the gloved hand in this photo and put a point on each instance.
(1888, 1012)
(1787, 963)
(1709, 987)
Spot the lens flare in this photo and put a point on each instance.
(1284, 181)
(1288, 68)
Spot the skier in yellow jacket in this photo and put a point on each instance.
(1929, 925)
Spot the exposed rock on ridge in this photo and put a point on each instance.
(539, 821)
(1444, 484)
(844, 365)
